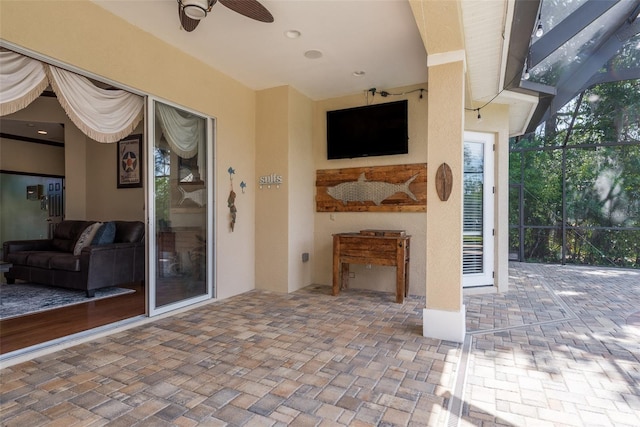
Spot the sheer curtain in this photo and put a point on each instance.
(184, 132)
(103, 115)
(22, 80)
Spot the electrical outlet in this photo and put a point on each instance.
(352, 275)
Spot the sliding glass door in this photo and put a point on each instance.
(181, 211)
(477, 233)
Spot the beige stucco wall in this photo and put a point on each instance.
(444, 218)
(301, 184)
(284, 215)
(326, 224)
(81, 34)
(272, 204)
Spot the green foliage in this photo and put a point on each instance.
(162, 189)
(162, 198)
(602, 184)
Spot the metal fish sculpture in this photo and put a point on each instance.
(197, 196)
(363, 190)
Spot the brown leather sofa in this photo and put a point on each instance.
(94, 265)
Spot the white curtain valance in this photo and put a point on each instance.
(103, 115)
(183, 133)
(22, 80)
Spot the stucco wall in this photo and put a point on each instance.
(284, 213)
(272, 203)
(444, 218)
(301, 190)
(327, 224)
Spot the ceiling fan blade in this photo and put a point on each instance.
(188, 24)
(249, 8)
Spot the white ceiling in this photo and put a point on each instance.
(379, 37)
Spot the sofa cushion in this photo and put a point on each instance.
(18, 258)
(129, 231)
(66, 234)
(105, 234)
(86, 237)
(50, 260)
(65, 262)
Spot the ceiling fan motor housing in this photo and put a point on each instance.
(196, 9)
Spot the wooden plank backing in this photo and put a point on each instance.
(375, 177)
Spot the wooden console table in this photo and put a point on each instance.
(380, 247)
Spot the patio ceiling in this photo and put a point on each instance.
(581, 43)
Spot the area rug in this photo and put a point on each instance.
(27, 298)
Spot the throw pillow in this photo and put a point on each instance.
(86, 237)
(105, 234)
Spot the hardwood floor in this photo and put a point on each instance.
(25, 331)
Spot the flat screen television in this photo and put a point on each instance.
(372, 130)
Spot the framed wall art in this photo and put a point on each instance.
(130, 162)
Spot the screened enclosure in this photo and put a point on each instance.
(575, 182)
(574, 176)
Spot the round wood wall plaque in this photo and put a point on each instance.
(444, 181)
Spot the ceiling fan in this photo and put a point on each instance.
(192, 11)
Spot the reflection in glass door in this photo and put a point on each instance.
(477, 233)
(181, 196)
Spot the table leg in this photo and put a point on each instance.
(406, 279)
(400, 274)
(345, 276)
(406, 270)
(336, 266)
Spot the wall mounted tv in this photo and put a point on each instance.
(372, 130)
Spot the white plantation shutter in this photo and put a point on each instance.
(472, 241)
(478, 216)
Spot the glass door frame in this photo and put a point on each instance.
(152, 267)
(486, 278)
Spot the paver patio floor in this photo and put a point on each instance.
(561, 348)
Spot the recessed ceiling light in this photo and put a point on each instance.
(292, 34)
(313, 54)
(359, 73)
(42, 132)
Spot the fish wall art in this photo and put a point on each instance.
(374, 191)
(397, 188)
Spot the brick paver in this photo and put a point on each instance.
(561, 348)
(260, 358)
